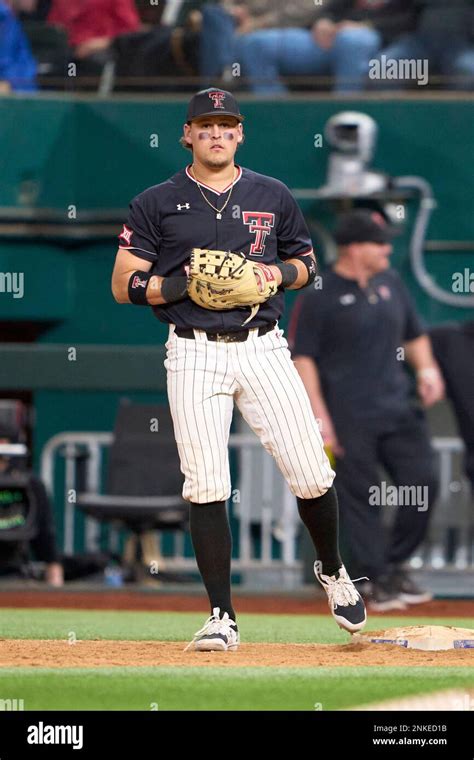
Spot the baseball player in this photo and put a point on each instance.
(211, 250)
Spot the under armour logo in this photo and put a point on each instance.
(180, 206)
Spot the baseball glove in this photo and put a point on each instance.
(227, 280)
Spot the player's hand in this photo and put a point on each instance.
(430, 386)
(328, 434)
(266, 275)
(228, 280)
(275, 271)
(324, 32)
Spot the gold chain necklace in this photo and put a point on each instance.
(217, 210)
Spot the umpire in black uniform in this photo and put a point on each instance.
(350, 340)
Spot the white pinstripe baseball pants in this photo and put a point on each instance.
(204, 378)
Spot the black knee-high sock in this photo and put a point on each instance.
(212, 543)
(321, 517)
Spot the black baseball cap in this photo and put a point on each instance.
(211, 102)
(363, 226)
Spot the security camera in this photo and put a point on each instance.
(353, 136)
(352, 133)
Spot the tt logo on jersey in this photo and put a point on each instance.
(260, 224)
(180, 206)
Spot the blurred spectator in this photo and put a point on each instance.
(34, 10)
(17, 65)
(164, 54)
(453, 346)
(444, 37)
(92, 25)
(183, 12)
(273, 38)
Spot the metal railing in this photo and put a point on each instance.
(261, 499)
(88, 449)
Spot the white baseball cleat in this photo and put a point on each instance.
(346, 604)
(219, 634)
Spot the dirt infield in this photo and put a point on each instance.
(93, 654)
(155, 601)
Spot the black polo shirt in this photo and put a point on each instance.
(355, 337)
(261, 219)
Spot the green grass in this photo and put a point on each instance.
(179, 626)
(221, 689)
(184, 688)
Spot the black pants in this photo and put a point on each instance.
(401, 445)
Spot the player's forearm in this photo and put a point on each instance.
(309, 374)
(120, 289)
(430, 383)
(154, 295)
(157, 293)
(419, 355)
(303, 276)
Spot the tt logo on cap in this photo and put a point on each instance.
(217, 98)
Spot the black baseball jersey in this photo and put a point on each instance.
(356, 338)
(262, 220)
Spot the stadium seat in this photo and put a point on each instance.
(50, 47)
(144, 481)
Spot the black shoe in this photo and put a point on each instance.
(407, 590)
(346, 604)
(382, 598)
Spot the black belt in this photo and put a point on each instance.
(227, 337)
